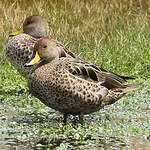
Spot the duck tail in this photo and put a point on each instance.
(131, 87)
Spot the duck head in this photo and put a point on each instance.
(35, 25)
(44, 50)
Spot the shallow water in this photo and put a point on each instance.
(28, 124)
(10, 141)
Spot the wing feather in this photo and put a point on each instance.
(90, 71)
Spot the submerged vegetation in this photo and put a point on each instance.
(113, 34)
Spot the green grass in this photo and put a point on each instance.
(112, 34)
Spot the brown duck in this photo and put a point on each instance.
(69, 85)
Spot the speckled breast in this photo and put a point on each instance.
(19, 50)
(55, 89)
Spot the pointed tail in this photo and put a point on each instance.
(131, 87)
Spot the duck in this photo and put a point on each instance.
(71, 86)
(21, 46)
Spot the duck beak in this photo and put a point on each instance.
(34, 59)
(16, 33)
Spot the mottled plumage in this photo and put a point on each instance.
(20, 47)
(19, 50)
(69, 85)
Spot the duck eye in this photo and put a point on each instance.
(44, 46)
(28, 22)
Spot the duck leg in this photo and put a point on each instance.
(81, 117)
(65, 118)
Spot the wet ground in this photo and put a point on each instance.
(26, 123)
(13, 139)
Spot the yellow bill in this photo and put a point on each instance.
(16, 33)
(34, 59)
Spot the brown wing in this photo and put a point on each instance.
(118, 77)
(88, 72)
(92, 69)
